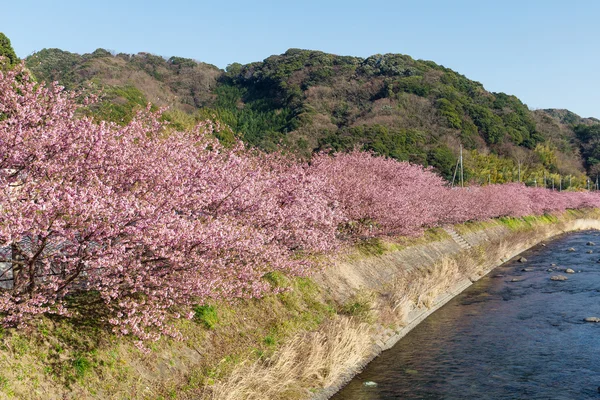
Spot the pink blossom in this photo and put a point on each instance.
(154, 221)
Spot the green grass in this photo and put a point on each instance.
(206, 315)
(81, 365)
(473, 226)
(516, 224)
(378, 246)
(512, 223)
(270, 340)
(372, 247)
(276, 279)
(359, 306)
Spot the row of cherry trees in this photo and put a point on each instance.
(382, 196)
(150, 221)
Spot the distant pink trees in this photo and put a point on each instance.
(150, 221)
(383, 196)
(380, 196)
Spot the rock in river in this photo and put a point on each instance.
(370, 384)
(569, 271)
(592, 319)
(571, 249)
(522, 260)
(590, 244)
(527, 269)
(558, 278)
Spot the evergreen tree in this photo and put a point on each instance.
(7, 51)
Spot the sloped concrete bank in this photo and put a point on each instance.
(439, 271)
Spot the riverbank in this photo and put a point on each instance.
(414, 283)
(502, 337)
(302, 343)
(385, 294)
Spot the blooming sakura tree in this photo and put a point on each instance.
(387, 196)
(149, 221)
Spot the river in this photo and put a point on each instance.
(503, 339)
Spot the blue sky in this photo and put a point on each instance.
(544, 52)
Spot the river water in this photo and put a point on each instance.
(501, 339)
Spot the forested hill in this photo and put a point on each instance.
(570, 118)
(309, 101)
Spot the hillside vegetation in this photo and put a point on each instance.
(309, 101)
(143, 261)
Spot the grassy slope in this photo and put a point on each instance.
(61, 358)
(79, 359)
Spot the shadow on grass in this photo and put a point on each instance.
(66, 346)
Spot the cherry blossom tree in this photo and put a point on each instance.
(147, 221)
(383, 195)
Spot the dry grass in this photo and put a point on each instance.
(63, 360)
(418, 288)
(379, 246)
(310, 360)
(474, 226)
(279, 347)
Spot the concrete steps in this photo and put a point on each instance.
(458, 238)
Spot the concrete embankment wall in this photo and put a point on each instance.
(439, 270)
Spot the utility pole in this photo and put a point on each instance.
(570, 181)
(489, 179)
(519, 171)
(560, 183)
(535, 182)
(588, 184)
(545, 185)
(462, 180)
(455, 170)
(552, 183)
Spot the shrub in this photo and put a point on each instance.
(6, 51)
(207, 315)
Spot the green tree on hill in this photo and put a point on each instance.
(589, 141)
(7, 51)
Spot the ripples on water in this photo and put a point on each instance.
(502, 339)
